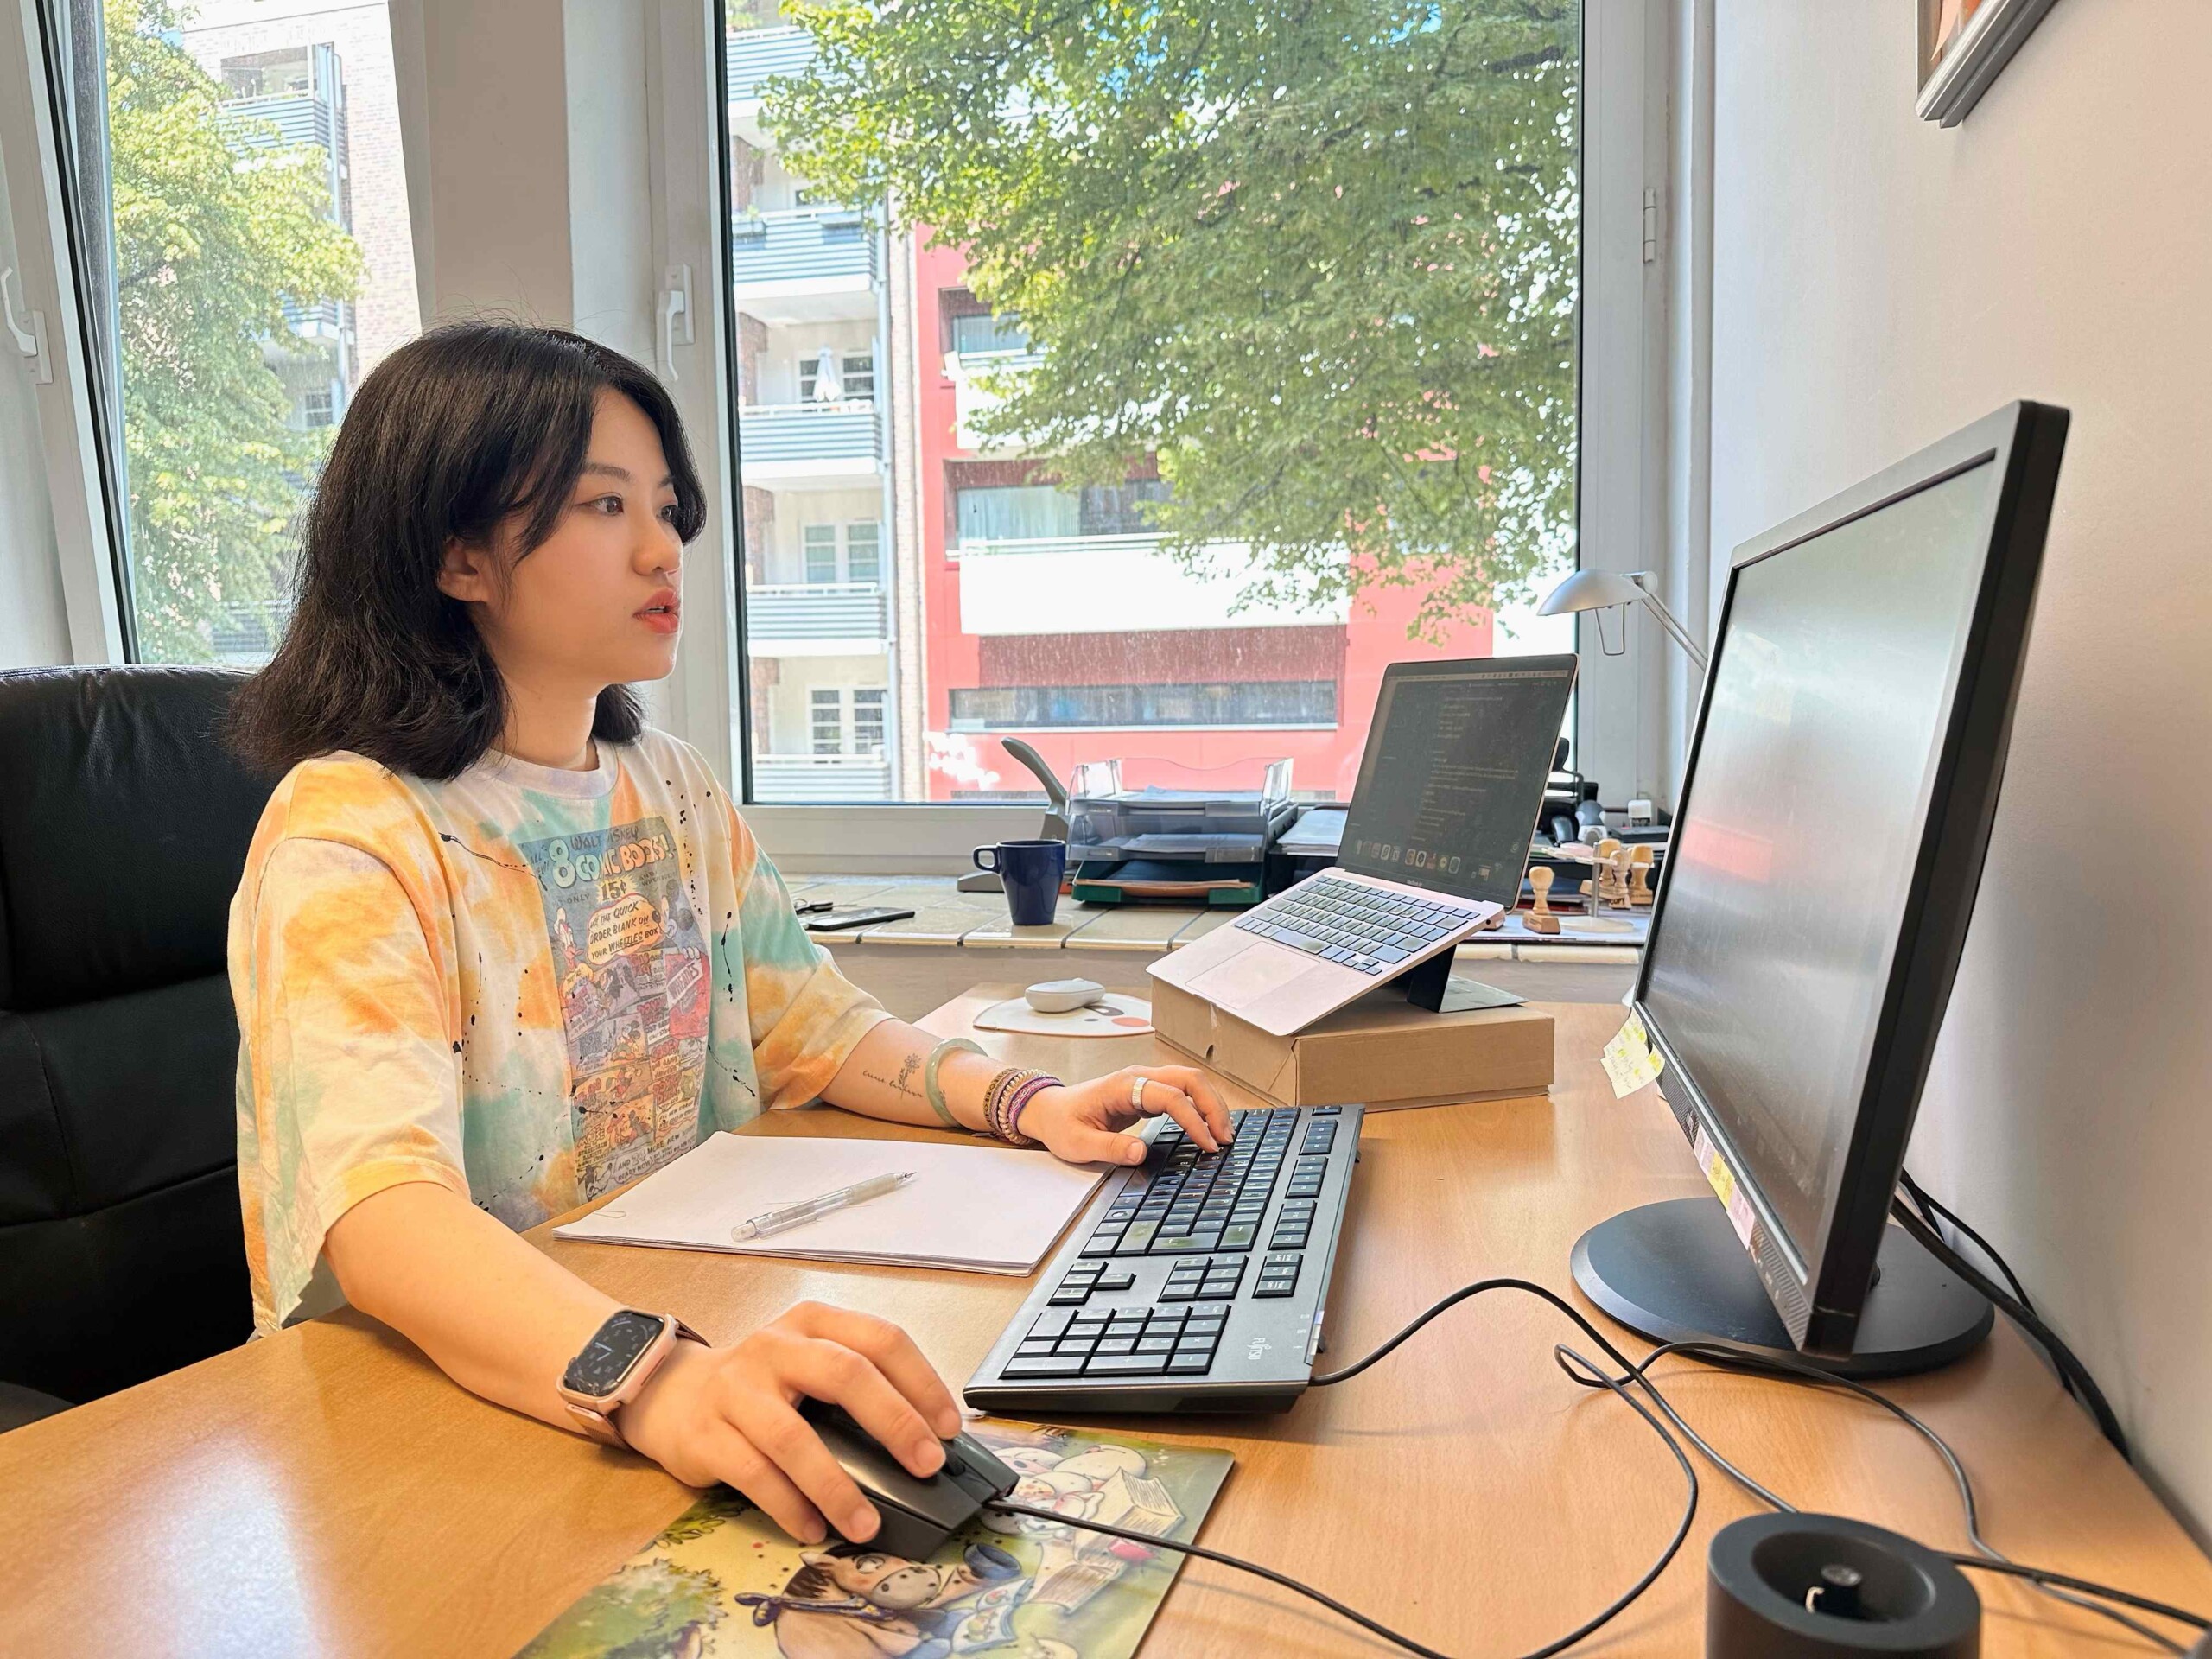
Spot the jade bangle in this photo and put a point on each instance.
(930, 1091)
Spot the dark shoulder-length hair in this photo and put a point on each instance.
(468, 427)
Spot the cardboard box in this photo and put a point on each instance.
(1380, 1050)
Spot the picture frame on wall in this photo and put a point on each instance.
(1964, 45)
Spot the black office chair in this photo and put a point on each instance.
(123, 826)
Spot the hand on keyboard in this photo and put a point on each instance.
(1083, 1123)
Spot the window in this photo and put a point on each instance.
(821, 555)
(827, 707)
(864, 554)
(1018, 512)
(868, 720)
(861, 565)
(1130, 708)
(826, 376)
(987, 335)
(244, 247)
(1187, 504)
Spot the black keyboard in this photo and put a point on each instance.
(1371, 929)
(1194, 1282)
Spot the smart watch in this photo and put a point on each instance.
(615, 1364)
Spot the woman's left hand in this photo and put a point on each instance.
(1083, 1122)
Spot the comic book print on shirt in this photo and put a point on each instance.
(631, 965)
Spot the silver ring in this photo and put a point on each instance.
(1136, 1092)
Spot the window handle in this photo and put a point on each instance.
(31, 342)
(675, 317)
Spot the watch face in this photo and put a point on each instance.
(609, 1354)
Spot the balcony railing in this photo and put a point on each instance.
(977, 381)
(808, 243)
(843, 610)
(821, 778)
(841, 431)
(752, 57)
(1096, 547)
(299, 118)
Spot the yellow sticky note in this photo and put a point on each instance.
(1629, 1060)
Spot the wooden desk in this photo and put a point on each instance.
(328, 1491)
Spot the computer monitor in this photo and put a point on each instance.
(1829, 840)
(1453, 773)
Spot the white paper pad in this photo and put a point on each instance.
(975, 1208)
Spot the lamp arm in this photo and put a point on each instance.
(1679, 634)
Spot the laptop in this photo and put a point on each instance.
(1434, 845)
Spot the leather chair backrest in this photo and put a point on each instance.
(123, 826)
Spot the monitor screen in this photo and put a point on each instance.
(1801, 828)
(1454, 772)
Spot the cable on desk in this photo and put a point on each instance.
(2077, 1377)
(1791, 1370)
(1375, 1625)
(1779, 1369)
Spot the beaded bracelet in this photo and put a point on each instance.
(998, 1087)
(1010, 1091)
(1022, 1096)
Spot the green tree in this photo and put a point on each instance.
(215, 227)
(1317, 256)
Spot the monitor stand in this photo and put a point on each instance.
(1430, 985)
(1675, 1271)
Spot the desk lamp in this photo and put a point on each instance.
(1599, 590)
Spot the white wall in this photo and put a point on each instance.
(1878, 282)
(483, 119)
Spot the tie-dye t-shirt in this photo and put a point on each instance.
(525, 984)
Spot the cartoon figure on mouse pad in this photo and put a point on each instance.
(851, 1601)
(723, 1580)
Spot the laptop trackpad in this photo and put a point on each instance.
(1249, 973)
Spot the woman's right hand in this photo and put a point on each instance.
(732, 1413)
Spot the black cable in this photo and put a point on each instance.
(2055, 1583)
(2045, 1577)
(1785, 1369)
(1368, 1623)
(1935, 1209)
(2069, 1367)
(1612, 1610)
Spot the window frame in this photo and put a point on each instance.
(49, 286)
(1620, 708)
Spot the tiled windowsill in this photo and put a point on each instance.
(945, 916)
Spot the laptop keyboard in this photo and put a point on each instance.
(1371, 929)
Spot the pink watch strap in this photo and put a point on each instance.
(601, 1425)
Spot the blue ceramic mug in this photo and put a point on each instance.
(1030, 871)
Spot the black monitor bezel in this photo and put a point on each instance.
(1820, 1304)
(1434, 667)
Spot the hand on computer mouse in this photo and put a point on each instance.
(731, 1415)
(1082, 1122)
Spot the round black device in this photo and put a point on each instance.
(1819, 1586)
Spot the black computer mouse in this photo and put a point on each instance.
(919, 1513)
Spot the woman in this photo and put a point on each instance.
(499, 946)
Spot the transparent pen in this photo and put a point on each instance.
(791, 1214)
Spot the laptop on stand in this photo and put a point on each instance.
(1435, 844)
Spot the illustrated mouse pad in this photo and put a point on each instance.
(723, 1581)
